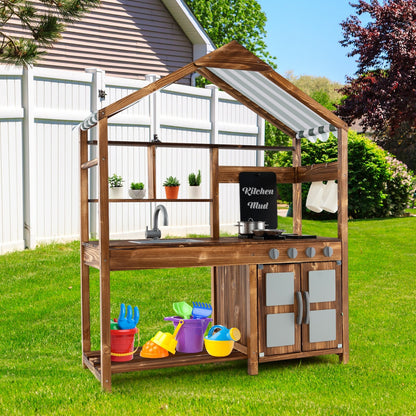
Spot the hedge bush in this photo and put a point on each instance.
(378, 184)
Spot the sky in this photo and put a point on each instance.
(304, 36)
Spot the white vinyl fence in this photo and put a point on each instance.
(40, 110)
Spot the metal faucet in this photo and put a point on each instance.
(155, 232)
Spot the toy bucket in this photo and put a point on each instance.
(191, 336)
(122, 344)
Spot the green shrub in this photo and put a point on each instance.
(400, 188)
(378, 184)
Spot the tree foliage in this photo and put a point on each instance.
(240, 20)
(383, 93)
(43, 22)
(321, 89)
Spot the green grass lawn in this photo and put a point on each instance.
(40, 349)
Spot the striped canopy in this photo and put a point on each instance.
(252, 82)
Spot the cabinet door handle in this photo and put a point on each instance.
(308, 308)
(300, 308)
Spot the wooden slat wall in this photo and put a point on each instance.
(231, 291)
(129, 38)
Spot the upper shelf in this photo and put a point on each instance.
(158, 143)
(155, 200)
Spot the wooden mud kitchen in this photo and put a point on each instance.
(288, 296)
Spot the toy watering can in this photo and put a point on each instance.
(221, 333)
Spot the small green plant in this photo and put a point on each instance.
(137, 185)
(171, 181)
(115, 181)
(194, 180)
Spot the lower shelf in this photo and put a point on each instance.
(93, 361)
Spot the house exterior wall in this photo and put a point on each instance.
(126, 38)
(39, 153)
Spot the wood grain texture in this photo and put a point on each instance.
(84, 224)
(232, 298)
(179, 145)
(178, 360)
(230, 174)
(253, 331)
(104, 255)
(89, 164)
(297, 190)
(151, 172)
(318, 172)
(199, 254)
(232, 56)
(343, 233)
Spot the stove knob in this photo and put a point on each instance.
(292, 253)
(328, 251)
(274, 253)
(310, 252)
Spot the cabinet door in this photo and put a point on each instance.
(279, 309)
(321, 283)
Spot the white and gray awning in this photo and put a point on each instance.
(255, 84)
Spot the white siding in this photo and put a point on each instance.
(126, 38)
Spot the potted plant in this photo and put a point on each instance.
(136, 190)
(171, 185)
(116, 187)
(194, 182)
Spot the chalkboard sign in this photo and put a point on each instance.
(258, 197)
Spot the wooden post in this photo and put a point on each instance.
(252, 342)
(151, 171)
(297, 189)
(343, 233)
(215, 191)
(85, 270)
(104, 234)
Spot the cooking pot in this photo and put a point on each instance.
(247, 227)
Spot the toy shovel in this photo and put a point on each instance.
(130, 321)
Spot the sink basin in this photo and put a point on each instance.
(166, 241)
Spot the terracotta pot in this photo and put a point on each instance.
(172, 192)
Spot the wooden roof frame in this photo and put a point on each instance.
(229, 56)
